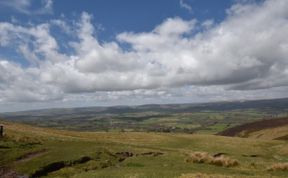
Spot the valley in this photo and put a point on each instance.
(36, 147)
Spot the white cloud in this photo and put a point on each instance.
(184, 5)
(46, 7)
(234, 59)
(17, 84)
(26, 6)
(19, 5)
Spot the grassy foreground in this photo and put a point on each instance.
(41, 152)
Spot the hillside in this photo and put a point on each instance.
(267, 129)
(42, 152)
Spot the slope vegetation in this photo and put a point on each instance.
(41, 152)
(269, 129)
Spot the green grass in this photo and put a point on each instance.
(69, 146)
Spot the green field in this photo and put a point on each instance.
(209, 118)
(208, 122)
(54, 153)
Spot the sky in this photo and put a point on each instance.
(71, 53)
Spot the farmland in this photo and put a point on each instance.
(208, 118)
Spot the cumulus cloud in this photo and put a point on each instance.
(21, 85)
(246, 52)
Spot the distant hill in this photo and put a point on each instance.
(268, 129)
(271, 104)
(209, 118)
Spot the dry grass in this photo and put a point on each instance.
(224, 161)
(200, 175)
(204, 157)
(199, 157)
(270, 134)
(279, 167)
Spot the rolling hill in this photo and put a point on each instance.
(266, 129)
(31, 151)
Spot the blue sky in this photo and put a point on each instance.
(60, 53)
(117, 16)
(109, 16)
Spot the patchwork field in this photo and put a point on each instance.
(207, 118)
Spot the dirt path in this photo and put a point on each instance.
(31, 155)
(10, 173)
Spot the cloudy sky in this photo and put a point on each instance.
(73, 53)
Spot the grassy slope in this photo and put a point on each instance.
(69, 146)
(271, 129)
(272, 133)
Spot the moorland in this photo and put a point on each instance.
(155, 141)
